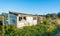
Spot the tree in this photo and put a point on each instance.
(58, 15)
(47, 16)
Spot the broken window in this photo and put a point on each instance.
(20, 18)
(24, 18)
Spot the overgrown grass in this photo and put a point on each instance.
(38, 30)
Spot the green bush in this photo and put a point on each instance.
(38, 30)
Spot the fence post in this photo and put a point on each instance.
(2, 25)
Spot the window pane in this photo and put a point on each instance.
(13, 19)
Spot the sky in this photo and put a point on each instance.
(39, 7)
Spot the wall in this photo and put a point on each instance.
(28, 22)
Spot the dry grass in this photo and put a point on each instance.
(57, 20)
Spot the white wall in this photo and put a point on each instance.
(20, 23)
(28, 22)
(34, 22)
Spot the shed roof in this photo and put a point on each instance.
(16, 13)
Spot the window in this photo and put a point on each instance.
(20, 18)
(24, 18)
(12, 16)
(13, 19)
(34, 18)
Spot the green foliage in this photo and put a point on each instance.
(58, 14)
(38, 30)
(53, 16)
(43, 29)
